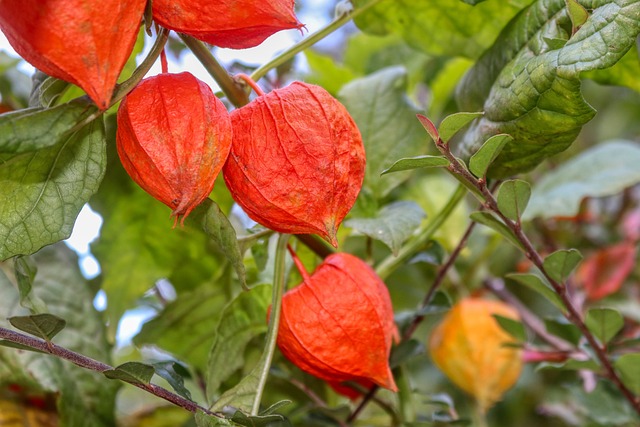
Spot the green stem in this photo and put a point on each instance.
(234, 92)
(276, 306)
(127, 86)
(391, 263)
(479, 416)
(310, 41)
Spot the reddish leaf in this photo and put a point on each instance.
(338, 324)
(237, 24)
(297, 161)
(604, 272)
(173, 137)
(81, 41)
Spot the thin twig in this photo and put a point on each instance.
(94, 365)
(497, 287)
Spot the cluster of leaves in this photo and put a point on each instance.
(524, 64)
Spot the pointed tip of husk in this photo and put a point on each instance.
(386, 380)
(330, 233)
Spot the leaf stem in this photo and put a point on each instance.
(391, 263)
(311, 40)
(232, 89)
(40, 345)
(274, 321)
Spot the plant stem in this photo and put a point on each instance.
(391, 263)
(127, 86)
(274, 322)
(94, 365)
(234, 91)
(310, 41)
(572, 314)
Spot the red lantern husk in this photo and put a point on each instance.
(237, 24)
(338, 324)
(173, 137)
(84, 42)
(297, 162)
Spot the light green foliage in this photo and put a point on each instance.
(386, 118)
(392, 225)
(603, 170)
(440, 27)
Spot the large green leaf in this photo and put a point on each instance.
(241, 321)
(86, 398)
(386, 119)
(35, 128)
(440, 27)
(392, 225)
(138, 247)
(187, 326)
(529, 86)
(43, 191)
(604, 170)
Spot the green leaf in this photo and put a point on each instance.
(174, 373)
(563, 329)
(623, 73)
(487, 153)
(452, 124)
(485, 218)
(604, 323)
(512, 327)
(25, 271)
(394, 224)
(539, 285)
(409, 163)
(85, 398)
(45, 325)
(326, 72)
(43, 191)
(204, 420)
(131, 372)
(272, 420)
(560, 264)
(513, 198)
(242, 320)
(46, 90)
(187, 326)
(405, 351)
(138, 247)
(603, 170)
(604, 406)
(577, 13)
(571, 365)
(531, 90)
(379, 105)
(628, 365)
(32, 129)
(217, 226)
(439, 27)
(273, 408)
